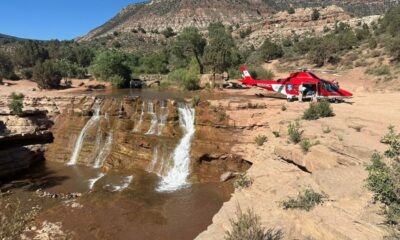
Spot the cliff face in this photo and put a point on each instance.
(156, 16)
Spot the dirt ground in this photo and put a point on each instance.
(29, 88)
(335, 167)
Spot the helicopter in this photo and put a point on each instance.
(302, 85)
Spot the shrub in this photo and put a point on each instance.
(276, 134)
(270, 50)
(379, 70)
(6, 66)
(393, 140)
(117, 81)
(326, 130)
(294, 132)
(243, 181)
(306, 200)
(291, 10)
(283, 108)
(306, 144)
(261, 73)
(47, 75)
(17, 103)
(168, 32)
(245, 33)
(247, 226)
(27, 73)
(196, 100)
(315, 15)
(260, 139)
(189, 80)
(318, 110)
(372, 43)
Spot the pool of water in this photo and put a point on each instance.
(115, 208)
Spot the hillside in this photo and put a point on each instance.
(157, 15)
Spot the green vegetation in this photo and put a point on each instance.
(384, 177)
(190, 43)
(306, 200)
(17, 103)
(243, 181)
(260, 139)
(326, 130)
(6, 66)
(315, 15)
(283, 108)
(187, 79)
(307, 144)
(318, 110)
(270, 50)
(276, 134)
(295, 133)
(245, 33)
(379, 70)
(260, 73)
(247, 226)
(291, 10)
(196, 100)
(47, 75)
(111, 66)
(168, 32)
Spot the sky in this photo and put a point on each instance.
(56, 19)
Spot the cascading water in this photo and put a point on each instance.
(154, 120)
(153, 163)
(92, 122)
(163, 116)
(93, 181)
(104, 152)
(139, 124)
(176, 177)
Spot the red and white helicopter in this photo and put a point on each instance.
(300, 85)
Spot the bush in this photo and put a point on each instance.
(27, 73)
(17, 103)
(306, 200)
(318, 110)
(261, 73)
(276, 134)
(47, 75)
(379, 70)
(315, 15)
(270, 50)
(291, 10)
(6, 66)
(306, 144)
(260, 139)
(283, 108)
(186, 78)
(247, 226)
(243, 181)
(294, 132)
(245, 33)
(393, 140)
(196, 100)
(107, 65)
(168, 32)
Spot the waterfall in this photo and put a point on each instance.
(176, 177)
(154, 120)
(139, 124)
(153, 162)
(78, 145)
(93, 181)
(163, 116)
(104, 152)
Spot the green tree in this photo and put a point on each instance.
(391, 22)
(270, 50)
(291, 10)
(220, 51)
(17, 103)
(156, 62)
(47, 75)
(6, 66)
(108, 64)
(190, 43)
(30, 52)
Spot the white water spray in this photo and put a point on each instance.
(118, 188)
(154, 120)
(163, 116)
(78, 145)
(105, 151)
(139, 124)
(176, 177)
(93, 181)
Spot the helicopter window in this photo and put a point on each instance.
(330, 87)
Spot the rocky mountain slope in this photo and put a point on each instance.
(157, 15)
